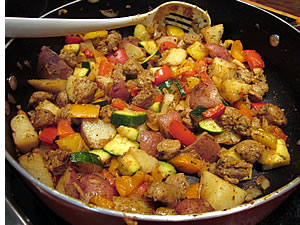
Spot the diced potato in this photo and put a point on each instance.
(222, 68)
(24, 135)
(97, 133)
(74, 142)
(231, 89)
(70, 86)
(213, 34)
(147, 162)
(53, 86)
(197, 50)
(34, 164)
(49, 106)
(219, 193)
(175, 57)
(63, 181)
(273, 158)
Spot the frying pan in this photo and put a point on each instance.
(241, 21)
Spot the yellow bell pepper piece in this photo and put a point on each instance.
(102, 202)
(185, 66)
(237, 50)
(74, 142)
(174, 31)
(141, 32)
(125, 185)
(95, 34)
(197, 50)
(228, 43)
(84, 111)
(192, 82)
(264, 138)
(99, 56)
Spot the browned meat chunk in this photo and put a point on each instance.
(216, 50)
(110, 43)
(145, 79)
(273, 114)
(206, 146)
(43, 118)
(168, 148)
(149, 141)
(40, 96)
(231, 169)
(57, 161)
(249, 150)
(62, 99)
(144, 98)
(130, 39)
(165, 120)
(162, 192)
(133, 204)
(105, 113)
(119, 90)
(51, 66)
(94, 185)
(117, 73)
(69, 57)
(193, 206)
(257, 91)
(131, 68)
(65, 115)
(84, 91)
(180, 183)
(231, 119)
(191, 38)
(205, 94)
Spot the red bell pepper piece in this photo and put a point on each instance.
(214, 112)
(167, 45)
(254, 59)
(48, 134)
(257, 105)
(278, 132)
(138, 109)
(186, 75)
(69, 39)
(158, 98)
(163, 74)
(118, 56)
(118, 103)
(181, 132)
(134, 90)
(106, 68)
(64, 128)
(200, 66)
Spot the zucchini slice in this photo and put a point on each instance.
(150, 46)
(119, 145)
(156, 106)
(81, 72)
(102, 102)
(211, 126)
(128, 118)
(180, 88)
(129, 132)
(86, 162)
(128, 165)
(102, 155)
(72, 47)
(166, 169)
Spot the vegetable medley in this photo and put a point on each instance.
(125, 122)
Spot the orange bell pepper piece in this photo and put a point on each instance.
(188, 164)
(125, 185)
(64, 128)
(193, 191)
(84, 111)
(237, 51)
(102, 202)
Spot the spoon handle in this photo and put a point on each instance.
(19, 27)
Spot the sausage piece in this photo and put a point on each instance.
(168, 148)
(250, 150)
(193, 206)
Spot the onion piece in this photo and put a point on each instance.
(109, 13)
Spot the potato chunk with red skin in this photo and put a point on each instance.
(193, 206)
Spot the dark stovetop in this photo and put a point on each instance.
(18, 192)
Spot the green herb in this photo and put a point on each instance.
(197, 112)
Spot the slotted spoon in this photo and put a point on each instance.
(184, 15)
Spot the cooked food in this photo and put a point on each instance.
(122, 122)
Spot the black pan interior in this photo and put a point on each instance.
(241, 21)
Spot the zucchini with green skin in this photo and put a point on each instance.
(86, 162)
(102, 155)
(197, 112)
(102, 102)
(166, 84)
(156, 106)
(128, 118)
(150, 46)
(72, 47)
(81, 72)
(166, 169)
(129, 132)
(211, 126)
(119, 145)
(128, 165)
(87, 64)
(180, 88)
